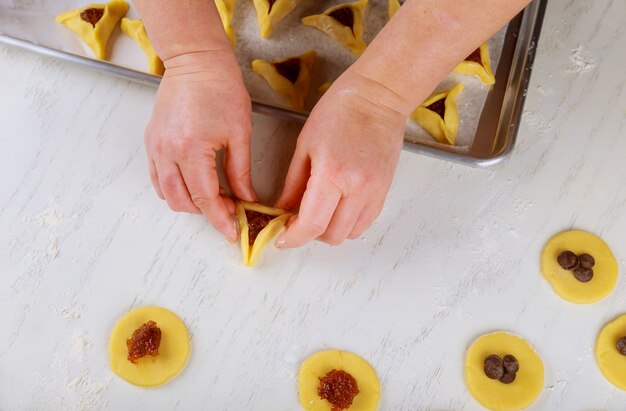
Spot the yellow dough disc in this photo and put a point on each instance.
(150, 371)
(611, 362)
(319, 364)
(563, 281)
(494, 394)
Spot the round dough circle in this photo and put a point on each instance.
(316, 367)
(612, 363)
(150, 371)
(564, 282)
(493, 394)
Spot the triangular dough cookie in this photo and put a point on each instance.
(136, 31)
(226, 9)
(478, 64)
(94, 23)
(290, 78)
(438, 115)
(270, 12)
(258, 225)
(394, 6)
(344, 23)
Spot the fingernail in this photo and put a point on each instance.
(280, 243)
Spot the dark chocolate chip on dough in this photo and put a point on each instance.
(586, 261)
(510, 363)
(494, 367)
(568, 260)
(583, 274)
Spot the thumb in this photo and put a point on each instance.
(296, 180)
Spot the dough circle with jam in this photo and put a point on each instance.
(563, 281)
(319, 364)
(494, 394)
(611, 362)
(150, 371)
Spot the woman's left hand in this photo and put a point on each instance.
(343, 164)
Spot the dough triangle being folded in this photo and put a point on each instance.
(290, 78)
(270, 12)
(136, 31)
(94, 23)
(438, 115)
(478, 64)
(258, 225)
(344, 23)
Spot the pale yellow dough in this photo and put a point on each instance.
(445, 129)
(136, 31)
(349, 37)
(295, 93)
(611, 362)
(150, 371)
(95, 37)
(268, 16)
(564, 282)
(319, 364)
(226, 10)
(393, 7)
(251, 254)
(493, 394)
(483, 71)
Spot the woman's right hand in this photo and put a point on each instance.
(202, 106)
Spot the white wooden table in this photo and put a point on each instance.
(454, 254)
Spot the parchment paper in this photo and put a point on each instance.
(33, 20)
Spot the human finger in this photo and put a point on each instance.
(365, 220)
(343, 221)
(296, 181)
(154, 177)
(319, 203)
(174, 189)
(201, 179)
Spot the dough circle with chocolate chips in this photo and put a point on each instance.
(494, 394)
(564, 282)
(611, 362)
(319, 364)
(150, 371)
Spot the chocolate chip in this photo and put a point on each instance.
(586, 261)
(494, 368)
(621, 346)
(507, 378)
(510, 364)
(583, 274)
(568, 260)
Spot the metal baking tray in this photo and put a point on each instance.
(496, 128)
